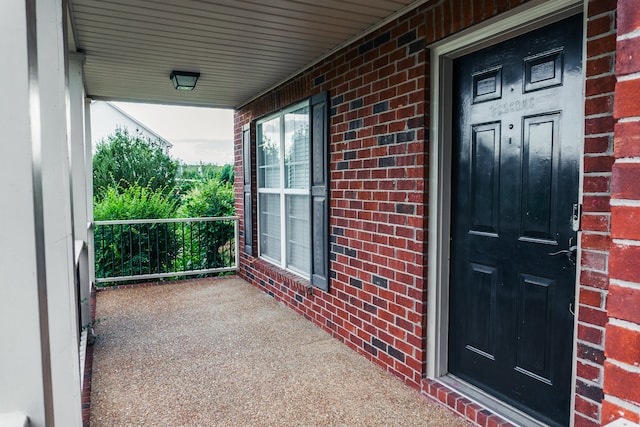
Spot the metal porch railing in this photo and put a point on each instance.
(159, 248)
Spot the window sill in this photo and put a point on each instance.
(283, 277)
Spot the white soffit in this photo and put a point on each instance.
(240, 47)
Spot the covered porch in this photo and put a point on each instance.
(375, 81)
(218, 351)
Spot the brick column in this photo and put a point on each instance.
(595, 237)
(622, 347)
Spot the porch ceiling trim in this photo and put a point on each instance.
(242, 48)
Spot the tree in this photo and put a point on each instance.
(226, 173)
(124, 159)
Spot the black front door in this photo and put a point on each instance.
(517, 117)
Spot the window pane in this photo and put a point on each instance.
(269, 154)
(296, 160)
(298, 233)
(270, 225)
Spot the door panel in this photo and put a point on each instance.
(482, 293)
(540, 149)
(485, 167)
(534, 351)
(516, 152)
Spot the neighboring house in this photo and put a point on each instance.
(106, 117)
(453, 193)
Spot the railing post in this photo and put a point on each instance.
(236, 239)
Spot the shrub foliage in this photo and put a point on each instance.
(214, 241)
(124, 250)
(135, 179)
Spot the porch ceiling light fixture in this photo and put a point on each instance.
(184, 80)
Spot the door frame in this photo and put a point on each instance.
(520, 20)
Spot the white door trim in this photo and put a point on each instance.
(533, 14)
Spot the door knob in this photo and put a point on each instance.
(571, 253)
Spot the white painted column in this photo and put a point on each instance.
(58, 214)
(24, 367)
(88, 151)
(77, 143)
(79, 180)
(39, 367)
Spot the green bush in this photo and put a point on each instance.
(210, 198)
(123, 250)
(208, 244)
(133, 202)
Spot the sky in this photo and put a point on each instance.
(198, 134)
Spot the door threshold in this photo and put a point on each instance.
(508, 412)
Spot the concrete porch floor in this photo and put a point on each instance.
(218, 352)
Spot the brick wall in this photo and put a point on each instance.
(622, 349)
(379, 189)
(377, 215)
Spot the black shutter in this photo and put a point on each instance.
(320, 191)
(246, 189)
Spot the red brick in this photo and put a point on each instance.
(597, 125)
(625, 222)
(442, 395)
(598, 164)
(596, 184)
(501, 5)
(623, 303)
(472, 410)
(594, 279)
(598, 105)
(624, 182)
(597, 145)
(488, 9)
(593, 316)
(621, 383)
(456, 15)
(597, 66)
(467, 17)
(590, 334)
(481, 419)
(623, 344)
(595, 241)
(591, 298)
(580, 421)
(596, 203)
(587, 407)
(598, 26)
(601, 45)
(626, 103)
(595, 222)
(600, 85)
(588, 372)
(477, 12)
(494, 421)
(626, 142)
(628, 16)
(611, 412)
(596, 7)
(628, 56)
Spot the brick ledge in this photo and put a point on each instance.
(461, 406)
(294, 281)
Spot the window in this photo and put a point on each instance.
(292, 182)
(283, 189)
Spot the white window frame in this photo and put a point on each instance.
(282, 191)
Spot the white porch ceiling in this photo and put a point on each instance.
(241, 47)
